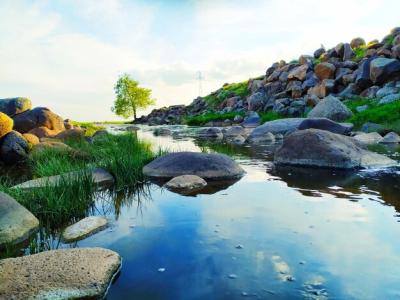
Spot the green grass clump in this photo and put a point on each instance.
(90, 128)
(233, 89)
(385, 114)
(269, 116)
(359, 53)
(213, 116)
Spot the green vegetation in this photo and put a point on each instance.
(294, 62)
(212, 116)
(386, 114)
(90, 127)
(228, 90)
(359, 53)
(269, 116)
(130, 97)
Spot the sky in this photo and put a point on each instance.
(67, 54)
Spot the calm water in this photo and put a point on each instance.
(282, 233)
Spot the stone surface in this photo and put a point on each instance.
(368, 138)
(6, 124)
(38, 117)
(384, 69)
(320, 148)
(389, 99)
(16, 222)
(208, 166)
(84, 228)
(31, 138)
(252, 120)
(234, 131)
(390, 138)
(186, 184)
(212, 132)
(13, 106)
(75, 134)
(325, 70)
(332, 108)
(357, 42)
(299, 72)
(326, 124)
(281, 126)
(84, 273)
(100, 177)
(266, 138)
(14, 148)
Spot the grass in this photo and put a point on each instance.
(386, 114)
(122, 155)
(213, 116)
(228, 90)
(90, 127)
(269, 116)
(359, 53)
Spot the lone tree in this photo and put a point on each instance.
(130, 97)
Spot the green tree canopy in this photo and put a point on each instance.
(130, 97)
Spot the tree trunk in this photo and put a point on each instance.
(134, 114)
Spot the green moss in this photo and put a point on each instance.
(234, 89)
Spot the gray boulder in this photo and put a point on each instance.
(366, 139)
(266, 138)
(84, 273)
(256, 101)
(281, 126)
(252, 120)
(14, 148)
(390, 138)
(326, 124)
(384, 69)
(16, 222)
(332, 108)
(208, 166)
(13, 106)
(320, 148)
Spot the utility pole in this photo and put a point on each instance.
(200, 78)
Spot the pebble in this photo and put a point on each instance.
(232, 276)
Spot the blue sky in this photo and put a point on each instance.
(67, 55)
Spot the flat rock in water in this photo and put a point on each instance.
(209, 166)
(281, 126)
(59, 274)
(100, 177)
(16, 222)
(186, 184)
(326, 124)
(320, 148)
(84, 228)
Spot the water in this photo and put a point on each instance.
(286, 233)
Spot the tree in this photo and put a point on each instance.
(130, 97)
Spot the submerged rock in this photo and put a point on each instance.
(186, 184)
(208, 166)
(59, 274)
(16, 222)
(320, 148)
(84, 228)
(100, 177)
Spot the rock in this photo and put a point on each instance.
(212, 132)
(256, 101)
(389, 99)
(186, 184)
(237, 140)
(357, 43)
(99, 133)
(384, 69)
(281, 126)
(368, 138)
(390, 138)
(6, 124)
(238, 119)
(362, 108)
(14, 148)
(38, 117)
(162, 131)
(319, 52)
(369, 127)
(100, 177)
(332, 108)
(363, 79)
(132, 128)
(68, 124)
(84, 228)
(234, 131)
(71, 134)
(208, 166)
(84, 273)
(320, 148)
(325, 70)
(43, 131)
(266, 138)
(305, 59)
(386, 90)
(45, 145)
(13, 106)
(31, 138)
(326, 124)
(252, 120)
(347, 52)
(323, 89)
(16, 222)
(299, 72)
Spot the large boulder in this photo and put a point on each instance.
(13, 148)
(84, 228)
(186, 184)
(332, 108)
(84, 273)
(252, 120)
(38, 117)
(256, 101)
(326, 124)
(13, 106)
(16, 222)
(31, 139)
(384, 69)
(357, 43)
(281, 126)
(299, 73)
(208, 166)
(6, 124)
(325, 70)
(320, 148)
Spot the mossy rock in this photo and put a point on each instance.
(6, 124)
